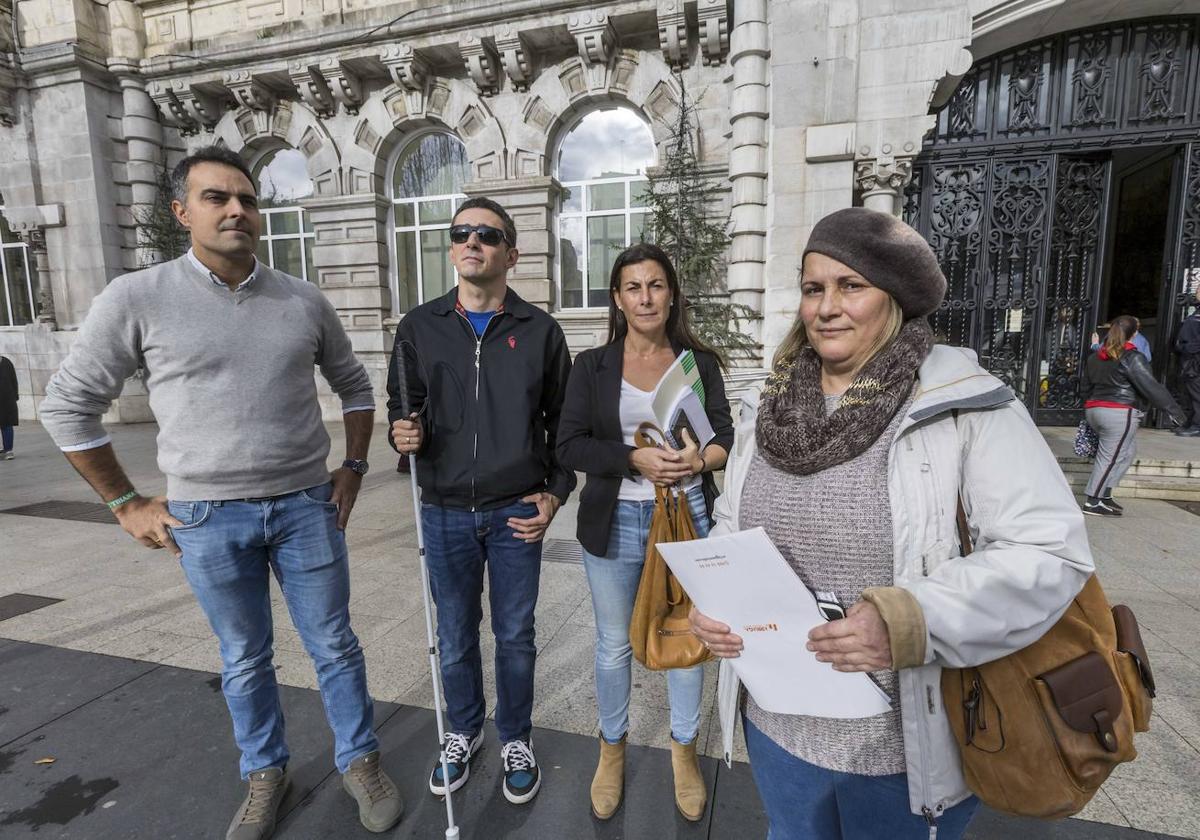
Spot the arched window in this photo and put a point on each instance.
(17, 294)
(602, 166)
(287, 235)
(427, 182)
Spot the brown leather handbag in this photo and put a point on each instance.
(659, 632)
(1042, 728)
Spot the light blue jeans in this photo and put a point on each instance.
(229, 550)
(614, 583)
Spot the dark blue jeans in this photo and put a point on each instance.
(458, 545)
(806, 802)
(6, 437)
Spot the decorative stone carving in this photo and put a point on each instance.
(173, 109)
(250, 92)
(313, 88)
(206, 109)
(514, 57)
(594, 35)
(407, 67)
(882, 180)
(673, 33)
(482, 63)
(714, 30)
(345, 86)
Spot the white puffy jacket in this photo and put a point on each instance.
(964, 430)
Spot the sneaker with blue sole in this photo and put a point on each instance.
(460, 749)
(521, 776)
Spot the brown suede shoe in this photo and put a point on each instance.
(379, 804)
(690, 793)
(255, 820)
(609, 782)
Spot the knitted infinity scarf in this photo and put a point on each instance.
(793, 432)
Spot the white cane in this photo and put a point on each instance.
(434, 668)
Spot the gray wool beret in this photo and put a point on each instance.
(886, 251)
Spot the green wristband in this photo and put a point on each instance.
(122, 499)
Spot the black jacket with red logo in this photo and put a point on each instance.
(489, 406)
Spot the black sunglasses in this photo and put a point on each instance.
(488, 235)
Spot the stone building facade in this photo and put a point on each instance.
(802, 107)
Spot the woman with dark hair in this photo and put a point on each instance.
(1117, 386)
(608, 396)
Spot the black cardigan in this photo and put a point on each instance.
(590, 439)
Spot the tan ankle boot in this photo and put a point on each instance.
(690, 794)
(609, 782)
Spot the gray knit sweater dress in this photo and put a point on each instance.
(834, 528)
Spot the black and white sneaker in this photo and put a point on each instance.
(459, 751)
(1099, 508)
(521, 776)
(1113, 503)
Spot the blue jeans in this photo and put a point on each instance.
(229, 550)
(806, 802)
(614, 583)
(458, 545)
(6, 437)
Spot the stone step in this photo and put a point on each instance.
(1147, 487)
(1160, 469)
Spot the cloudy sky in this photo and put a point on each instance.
(285, 178)
(606, 143)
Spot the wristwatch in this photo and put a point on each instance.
(357, 466)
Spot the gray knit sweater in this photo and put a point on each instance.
(835, 529)
(230, 376)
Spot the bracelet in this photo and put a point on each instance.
(122, 499)
(703, 465)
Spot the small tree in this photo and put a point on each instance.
(681, 221)
(160, 236)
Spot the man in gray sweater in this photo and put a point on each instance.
(228, 347)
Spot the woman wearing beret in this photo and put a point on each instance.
(608, 396)
(853, 459)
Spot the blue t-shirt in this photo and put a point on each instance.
(479, 320)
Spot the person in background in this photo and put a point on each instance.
(1187, 345)
(1140, 342)
(9, 394)
(853, 460)
(1117, 386)
(609, 395)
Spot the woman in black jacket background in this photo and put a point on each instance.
(1117, 386)
(608, 395)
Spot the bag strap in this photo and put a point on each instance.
(965, 543)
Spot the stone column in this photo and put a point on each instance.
(749, 110)
(43, 302)
(882, 182)
(143, 137)
(532, 202)
(350, 257)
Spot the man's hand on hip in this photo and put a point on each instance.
(533, 529)
(346, 484)
(148, 521)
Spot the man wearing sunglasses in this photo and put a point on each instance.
(485, 375)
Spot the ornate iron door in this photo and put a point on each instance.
(1013, 192)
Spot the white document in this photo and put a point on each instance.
(742, 580)
(678, 395)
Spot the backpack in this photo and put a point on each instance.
(1041, 729)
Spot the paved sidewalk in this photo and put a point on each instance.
(121, 600)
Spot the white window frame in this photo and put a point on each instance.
(6, 246)
(417, 228)
(584, 214)
(302, 234)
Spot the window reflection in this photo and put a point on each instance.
(287, 237)
(602, 166)
(427, 185)
(17, 292)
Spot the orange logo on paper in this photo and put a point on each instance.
(760, 628)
